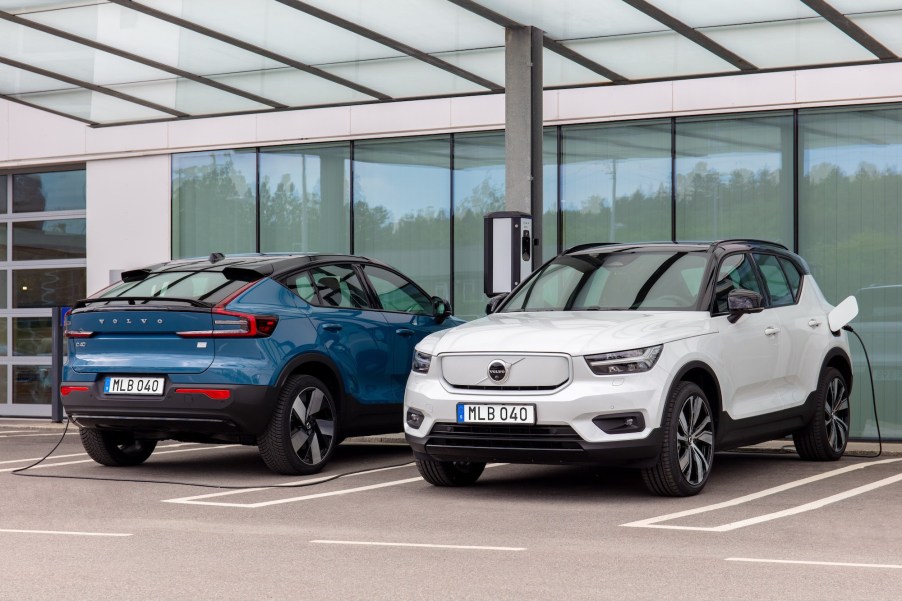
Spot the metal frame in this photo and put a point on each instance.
(848, 27)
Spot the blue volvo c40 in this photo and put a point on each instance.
(291, 353)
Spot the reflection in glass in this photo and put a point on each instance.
(49, 239)
(3, 345)
(52, 287)
(304, 198)
(4, 371)
(214, 202)
(31, 384)
(734, 178)
(616, 183)
(57, 191)
(402, 207)
(3, 198)
(31, 336)
(849, 222)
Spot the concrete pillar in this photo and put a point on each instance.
(523, 126)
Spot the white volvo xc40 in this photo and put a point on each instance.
(645, 355)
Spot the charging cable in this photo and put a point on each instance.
(21, 472)
(848, 328)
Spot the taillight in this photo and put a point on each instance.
(230, 324)
(77, 333)
(67, 390)
(217, 394)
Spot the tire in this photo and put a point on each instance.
(687, 451)
(449, 473)
(303, 431)
(116, 449)
(827, 434)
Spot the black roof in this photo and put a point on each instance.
(727, 244)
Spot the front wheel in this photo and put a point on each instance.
(449, 473)
(687, 451)
(826, 435)
(115, 449)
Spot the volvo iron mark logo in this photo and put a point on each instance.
(499, 371)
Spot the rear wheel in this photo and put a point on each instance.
(303, 431)
(116, 449)
(449, 473)
(687, 451)
(826, 435)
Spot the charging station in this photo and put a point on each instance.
(508, 250)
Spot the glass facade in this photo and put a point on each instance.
(42, 265)
(825, 182)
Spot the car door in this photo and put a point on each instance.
(349, 329)
(409, 314)
(754, 350)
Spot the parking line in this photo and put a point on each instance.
(419, 545)
(818, 563)
(168, 446)
(63, 532)
(29, 435)
(58, 464)
(655, 522)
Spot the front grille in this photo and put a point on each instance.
(504, 437)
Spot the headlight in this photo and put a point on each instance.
(421, 362)
(624, 362)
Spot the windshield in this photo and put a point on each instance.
(614, 281)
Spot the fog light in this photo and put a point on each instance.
(414, 418)
(624, 423)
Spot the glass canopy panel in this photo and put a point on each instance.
(851, 7)
(189, 97)
(712, 13)
(92, 106)
(651, 55)
(68, 58)
(790, 43)
(25, 6)
(152, 38)
(292, 87)
(487, 63)
(404, 78)
(18, 81)
(575, 19)
(558, 71)
(427, 25)
(885, 27)
(277, 28)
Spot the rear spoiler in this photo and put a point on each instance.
(136, 300)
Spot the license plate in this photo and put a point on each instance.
(133, 385)
(472, 413)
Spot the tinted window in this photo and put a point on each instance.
(206, 286)
(644, 280)
(302, 285)
(777, 284)
(795, 278)
(736, 271)
(339, 286)
(396, 293)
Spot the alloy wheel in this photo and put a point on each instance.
(837, 415)
(312, 425)
(695, 440)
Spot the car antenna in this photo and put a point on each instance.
(216, 257)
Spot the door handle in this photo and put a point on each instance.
(771, 331)
(332, 327)
(813, 323)
(404, 332)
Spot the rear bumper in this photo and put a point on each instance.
(245, 413)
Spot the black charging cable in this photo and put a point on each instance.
(21, 472)
(848, 328)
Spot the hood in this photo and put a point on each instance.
(572, 332)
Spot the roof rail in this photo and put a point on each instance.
(748, 240)
(579, 247)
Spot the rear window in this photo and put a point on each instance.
(205, 286)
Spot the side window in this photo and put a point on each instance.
(780, 293)
(397, 293)
(301, 285)
(736, 271)
(795, 278)
(339, 286)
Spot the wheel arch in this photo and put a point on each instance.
(320, 367)
(701, 374)
(838, 359)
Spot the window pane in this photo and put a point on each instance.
(549, 193)
(3, 346)
(777, 285)
(47, 287)
(339, 286)
(795, 278)
(734, 178)
(849, 222)
(302, 286)
(59, 191)
(616, 183)
(214, 202)
(31, 384)
(304, 198)
(31, 336)
(3, 198)
(736, 272)
(207, 286)
(402, 203)
(4, 228)
(50, 239)
(4, 371)
(397, 294)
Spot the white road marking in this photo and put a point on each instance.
(195, 500)
(23, 435)
(63, 532)
(168, 446)
(421, 545)
(655, 522)
(61, 463)
(818, 563)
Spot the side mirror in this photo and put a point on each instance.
(842, 314)
(493, 303)
(441, 309)
(741, 301)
